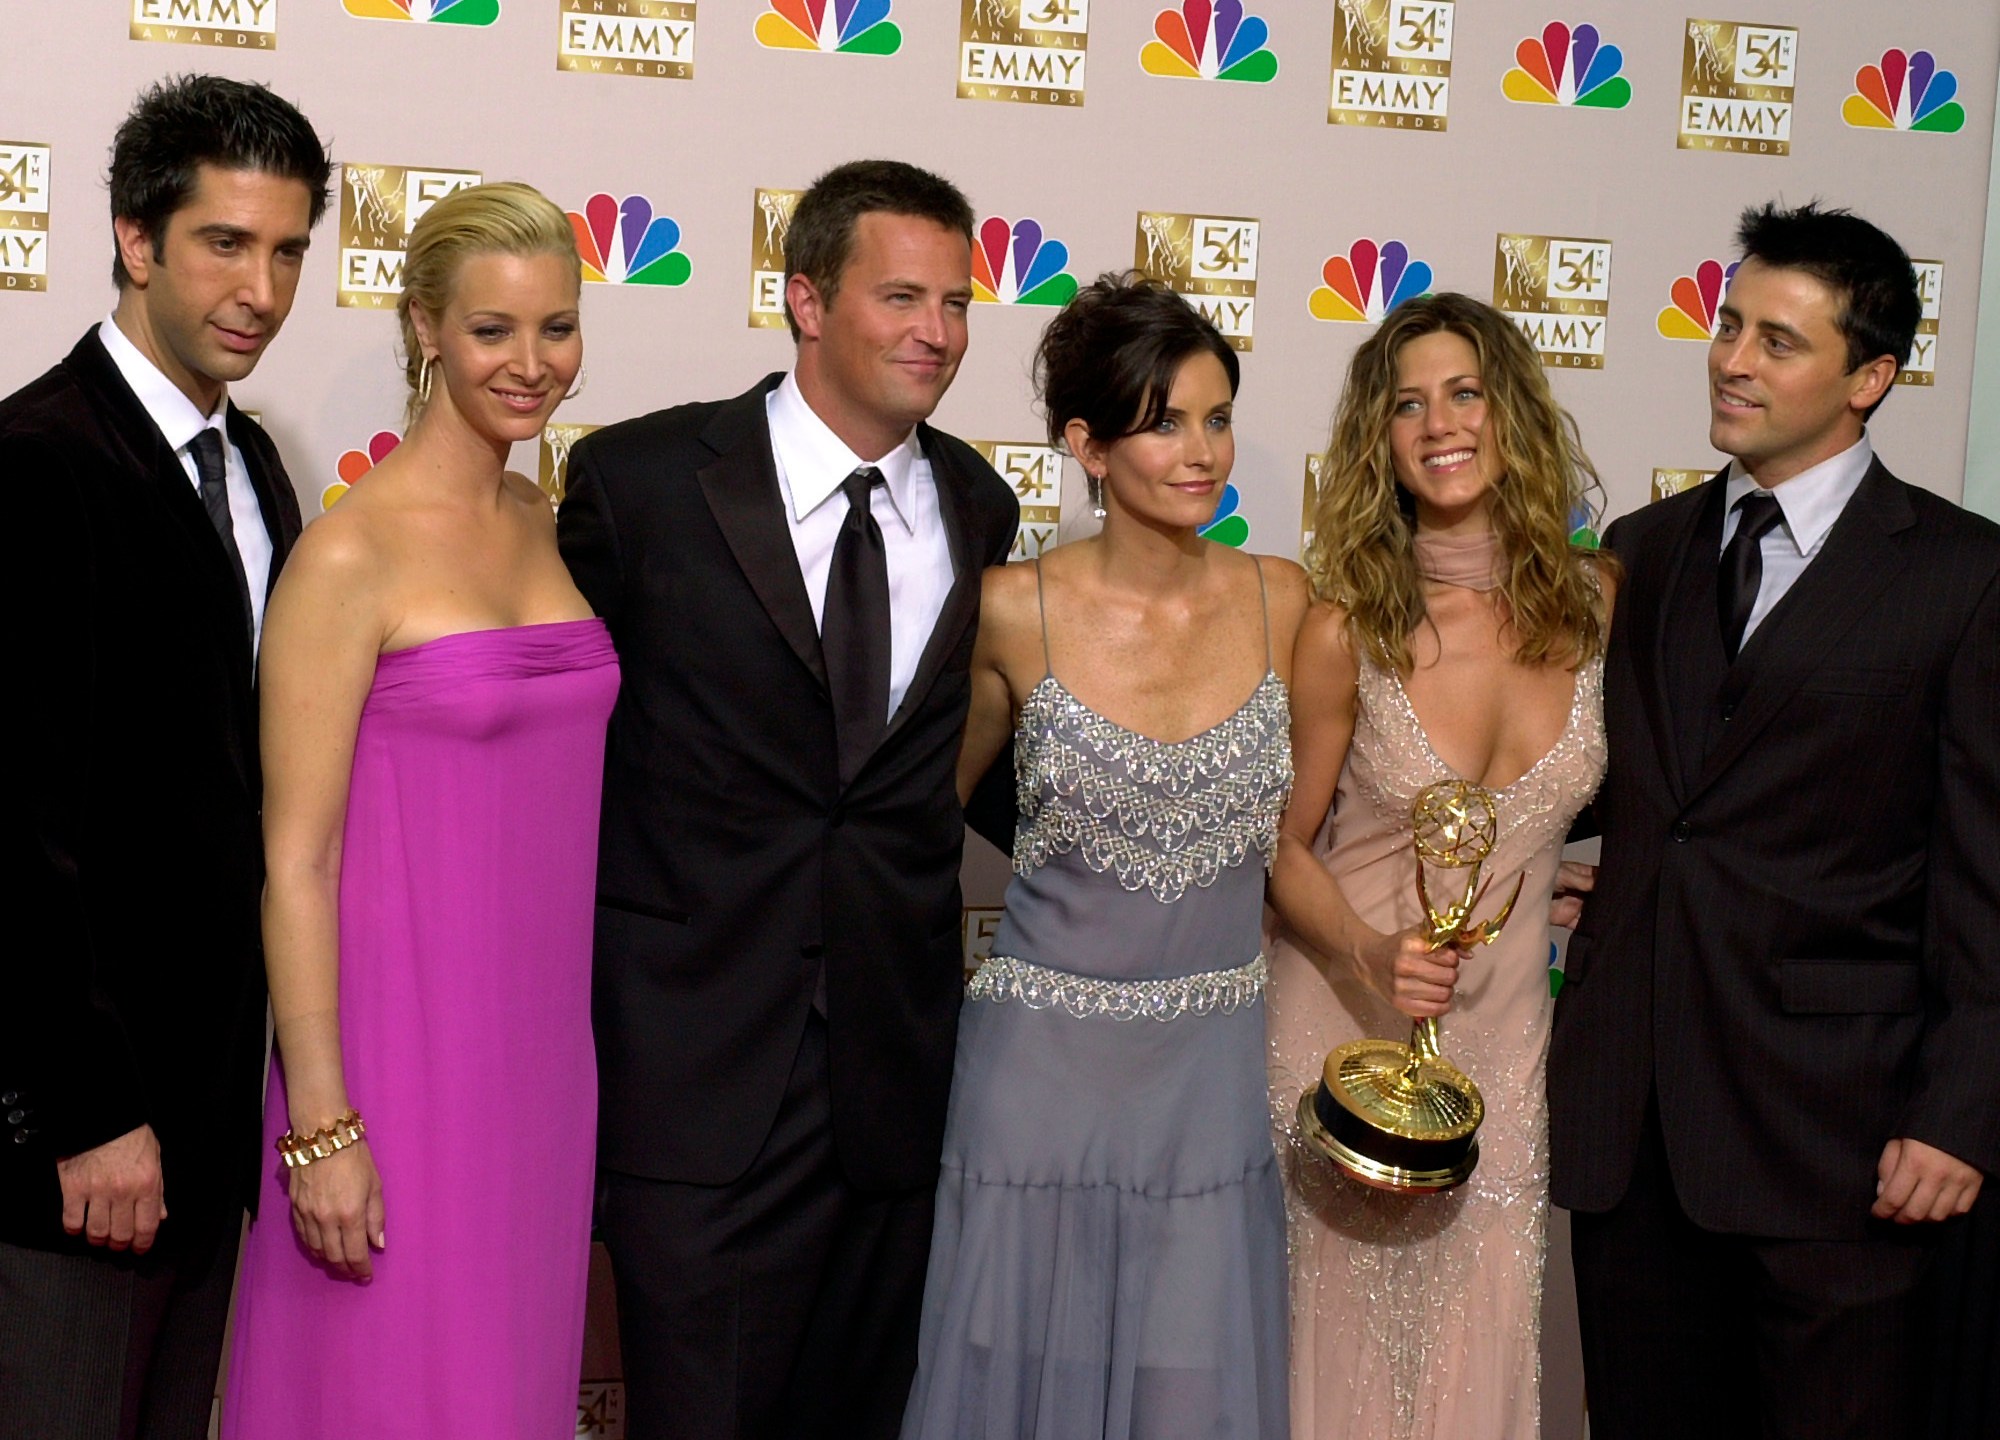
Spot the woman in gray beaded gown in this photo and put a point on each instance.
(1109, 1251)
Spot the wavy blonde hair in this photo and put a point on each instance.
(501, 218)
(1363, 553)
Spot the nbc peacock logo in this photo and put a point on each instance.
(1028, 52)
(236, 24)
(1368, 282)
(1226, 526)
(1562, 66)
(652, 39)
(1018, 264)
(1694, 299)
(622, 242)
(1033, 470)
(1210, 40)
(353, 464)
(1905, 92)
(840, 27)
(24, 216)
(433, 12)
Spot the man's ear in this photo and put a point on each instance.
(135, 249)
(1867, 385)
(802, 297)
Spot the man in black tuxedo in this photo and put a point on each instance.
(153, 517)
(792, 579)
(1776, 1056)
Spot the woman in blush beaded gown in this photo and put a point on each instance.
(1109, 1252)
(1458, 634)
(435, 693)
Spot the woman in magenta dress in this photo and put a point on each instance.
(434, 696)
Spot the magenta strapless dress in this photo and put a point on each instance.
(467, 892)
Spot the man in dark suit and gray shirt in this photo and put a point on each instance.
(792, 580)
(151, 517)
(1776, 1060)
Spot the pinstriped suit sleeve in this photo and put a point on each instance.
(1957, 1102)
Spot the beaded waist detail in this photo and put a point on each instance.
(1083, 996)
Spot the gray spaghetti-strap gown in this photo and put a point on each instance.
(1109, 1252)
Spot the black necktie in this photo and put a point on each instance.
(206, 447)
(1743, 565)
(854, 633)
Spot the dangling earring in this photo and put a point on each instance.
(1093, 484)
(424, 382)
(576, 385)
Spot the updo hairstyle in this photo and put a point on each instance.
(504, 218)
(1110, 357)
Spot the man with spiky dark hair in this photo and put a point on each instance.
(153, 517)
(1776, 1054)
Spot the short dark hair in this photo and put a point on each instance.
(1877, 286)
(181, 124)
(1110, 357)
(821, 236)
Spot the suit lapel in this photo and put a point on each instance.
(1860, 560)
(1651, 644)
(278, 524)
(961, 602)
(741, 487)
(155, 466)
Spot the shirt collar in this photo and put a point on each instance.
(1812, 499)
(815, 460)
(164, 401)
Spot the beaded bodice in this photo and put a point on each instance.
(1392, 760)
(1160, 816)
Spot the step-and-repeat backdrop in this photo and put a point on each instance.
(1293, 166)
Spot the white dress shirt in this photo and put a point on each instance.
(812, 461)
(180, 422)
(1810, 502)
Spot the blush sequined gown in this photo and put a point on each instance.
(467, 892)
(1418, 1317)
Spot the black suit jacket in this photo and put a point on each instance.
(732, 863)
(135, 992)
(1795, 936)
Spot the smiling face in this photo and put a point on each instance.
(1780, 396)
(204, 297)
(508, 344)
(1170, 476)
(1443, 449)
(876, 358)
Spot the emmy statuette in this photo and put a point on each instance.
(1402, 1117)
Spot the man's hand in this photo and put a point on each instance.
(1917, 1182)
(1574, 880)
(114, 1195)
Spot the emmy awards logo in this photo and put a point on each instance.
(1402, 1117)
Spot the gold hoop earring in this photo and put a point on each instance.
(424, 382)
(576, 385)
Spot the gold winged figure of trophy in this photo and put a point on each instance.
(1402, 1117)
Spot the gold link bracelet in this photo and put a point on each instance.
(300, 1151)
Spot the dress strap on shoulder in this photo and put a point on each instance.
(1264, 600)
(1042, 609)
